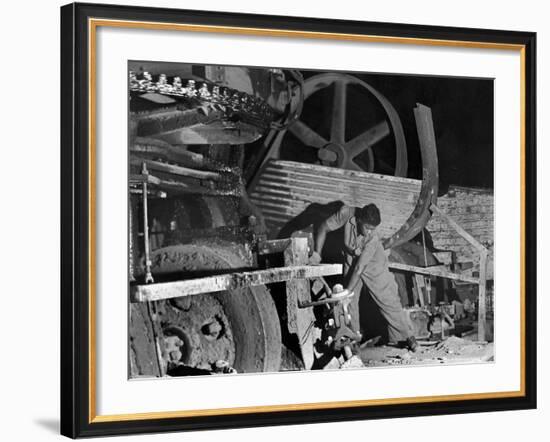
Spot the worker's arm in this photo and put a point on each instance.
(332, 223)
(366, 255)
(320, 237)
(355, 277)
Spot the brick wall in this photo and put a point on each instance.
(473, 210)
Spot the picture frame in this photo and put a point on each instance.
(80, 24)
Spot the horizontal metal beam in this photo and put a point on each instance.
(155, 148)
(230, 281)
(439, 271)
(176, 170)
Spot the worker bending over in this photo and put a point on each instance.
(365, 262)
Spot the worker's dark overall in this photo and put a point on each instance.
(375, 275)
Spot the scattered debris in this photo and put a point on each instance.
(452, 350)
(353, 362)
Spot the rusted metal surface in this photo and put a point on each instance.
(177, 170)
(430, 180)
(199, 112)
(273, 246)
(200, 223)
(237, 310)
(214, 132)
(269, 85)
(186, 218)
(212, 178)
(203, 95)
(231, 281)
(159, 123)
(285, 189)
(142, 347)
(153, 148)
(185, 186)
(196, 332)
(300, 321)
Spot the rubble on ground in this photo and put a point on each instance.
(453, 350)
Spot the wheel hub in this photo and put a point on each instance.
(196, 332)
(335, 148)
(239, 326)
(332, 154)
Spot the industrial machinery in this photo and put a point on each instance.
(219, 198)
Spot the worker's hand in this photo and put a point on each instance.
(314, 259)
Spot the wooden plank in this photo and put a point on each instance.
(439, 271)
(230, 281)
(419, 285)
(481, 299)
(299, 321)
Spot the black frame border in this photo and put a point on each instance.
(75, 220)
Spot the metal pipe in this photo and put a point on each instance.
(148, 275)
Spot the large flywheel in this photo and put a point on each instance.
(238, 326)
(327, 131)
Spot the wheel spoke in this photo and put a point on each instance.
(367, 139)
(338, 122)
(307, 135)
(352, 165)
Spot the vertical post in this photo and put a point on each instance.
(483, 252)
(300, 321)
(419, 285)
(131, 244)
(148, 275)
(481, 299)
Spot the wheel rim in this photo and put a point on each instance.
(240, 326)
(336, 150)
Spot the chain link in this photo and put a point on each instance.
(230, 101)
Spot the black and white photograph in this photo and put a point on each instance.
(286, 219)
(275, 221)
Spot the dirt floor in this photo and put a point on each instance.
(452, 350)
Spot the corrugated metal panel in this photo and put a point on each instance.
(285, 189)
